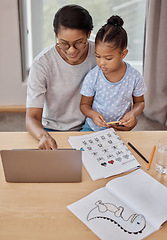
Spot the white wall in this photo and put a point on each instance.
(12, 90)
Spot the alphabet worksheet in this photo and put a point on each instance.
(104, 153)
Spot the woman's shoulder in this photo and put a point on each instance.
(92, 43)
(91, 47)
(45, 53)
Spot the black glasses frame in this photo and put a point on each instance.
(76, 45)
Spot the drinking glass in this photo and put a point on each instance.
(161, 161)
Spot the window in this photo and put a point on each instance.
(132, 12)
(40, 24)
(31, 31)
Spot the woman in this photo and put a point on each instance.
(56, 75)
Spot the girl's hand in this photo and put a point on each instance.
(129, 120)
(98, 119)
(127, 123)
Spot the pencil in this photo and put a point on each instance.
(113, 122)
(151, 157)
(137, 152)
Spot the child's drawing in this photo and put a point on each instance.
(108, 211)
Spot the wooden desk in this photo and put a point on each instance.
(37, 211)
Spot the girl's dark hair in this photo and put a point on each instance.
(113, 32)
(74, 17)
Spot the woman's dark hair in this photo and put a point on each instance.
(113, 32)
(74, 17)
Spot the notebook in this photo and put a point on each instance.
(130, 207)
(47, 166)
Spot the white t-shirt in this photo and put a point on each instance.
(55, 85)
(112, 100)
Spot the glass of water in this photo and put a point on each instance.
(161, 162)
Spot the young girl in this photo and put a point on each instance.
(113, 91)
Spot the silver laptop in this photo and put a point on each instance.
(37, 166)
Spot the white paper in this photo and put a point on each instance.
(125, 208)
(105, 154)
(144, 194)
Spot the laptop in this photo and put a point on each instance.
(42, 166)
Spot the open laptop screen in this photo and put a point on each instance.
(28, 166)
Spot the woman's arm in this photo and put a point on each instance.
(35, 128)
(86, 109)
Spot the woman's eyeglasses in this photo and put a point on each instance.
(77, 45)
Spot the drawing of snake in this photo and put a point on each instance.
(133, 225)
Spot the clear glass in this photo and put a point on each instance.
(161, 161)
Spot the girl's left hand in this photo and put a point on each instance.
(129, 120)
(127, 123)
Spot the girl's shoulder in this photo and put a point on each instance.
(92, 76)
(133, 71)
(94, 71)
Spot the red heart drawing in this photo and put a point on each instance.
(111, 161)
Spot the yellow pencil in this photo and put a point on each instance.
(113, 122)
(151, 157)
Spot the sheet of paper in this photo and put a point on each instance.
(110, 218)
(144, 194)
(105, 154)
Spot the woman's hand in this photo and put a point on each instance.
(47, 142)
(35, 128)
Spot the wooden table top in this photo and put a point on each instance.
(32, 211)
